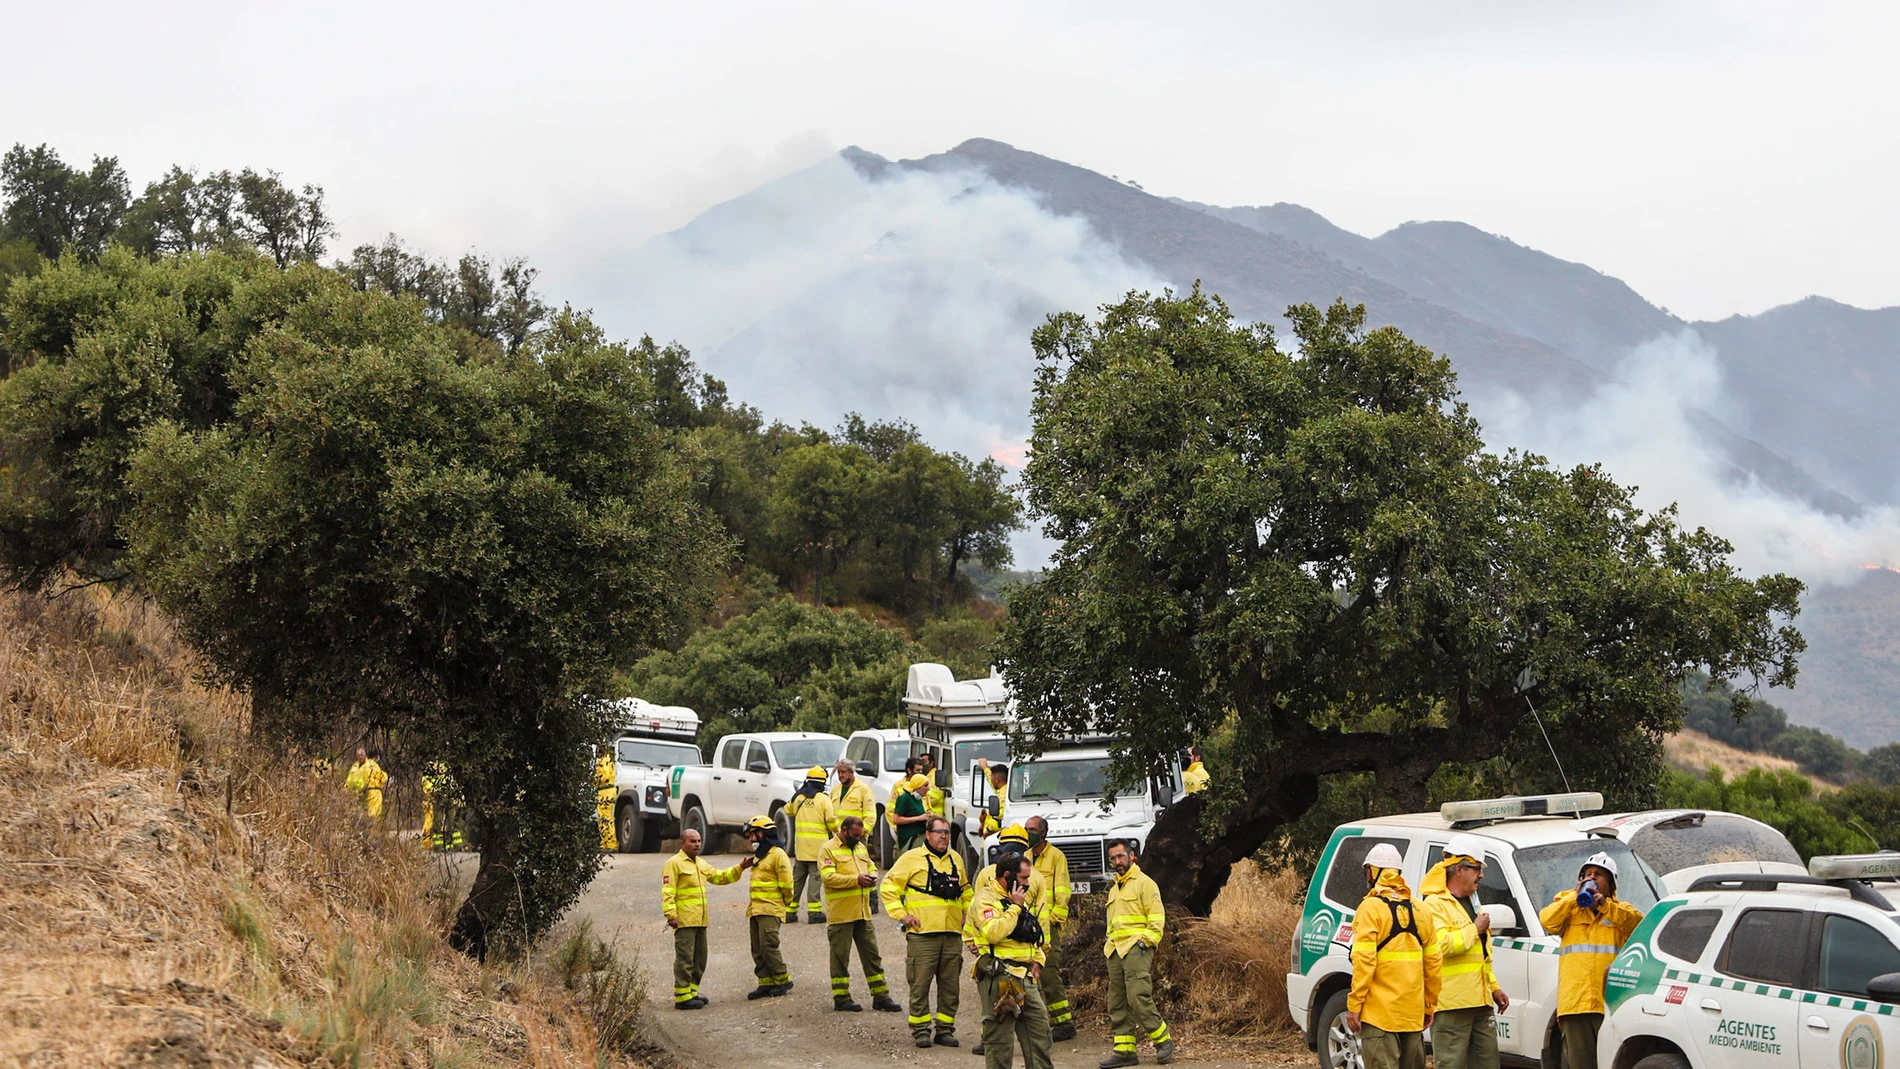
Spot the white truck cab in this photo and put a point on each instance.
(1068, 788)
(1752, 970)
(879, 755)
(1534, 847)
(751, 774)
(649, 740)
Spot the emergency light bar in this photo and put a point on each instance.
(1530, 805)
(1884, 866)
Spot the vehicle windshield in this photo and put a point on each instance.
(1079, 778)
(803, 753)
(655, 753)
(1709, 839)
(900, 751)
(1549, 869)
(989, 749)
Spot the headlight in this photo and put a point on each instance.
(991, 855)
(1134, 847)
(656, 797)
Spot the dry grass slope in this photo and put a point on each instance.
(171, 895)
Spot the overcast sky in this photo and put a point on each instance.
(1721, 157)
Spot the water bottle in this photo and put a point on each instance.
(1587, 895)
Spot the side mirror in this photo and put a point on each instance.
(1885, 987)
(866, 768)
(759, 767)
(995, 806)
(943, 779)
(1503, 917)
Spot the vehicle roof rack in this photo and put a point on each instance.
(1771, 881)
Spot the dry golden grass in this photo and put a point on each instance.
(1693, 752)
(170, 895)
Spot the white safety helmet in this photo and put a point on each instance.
(1466, 846)
(1603, 861)
(1384, 856)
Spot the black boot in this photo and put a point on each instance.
(1164, 1052)
(886, 1004)
(843, 1004)
(947, 1039)
(1119, 1059)
(761, 991)
(1062, 1033)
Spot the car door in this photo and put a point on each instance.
(1744, 1015)
(726, 798)
(1839, 1026)
(752, 782)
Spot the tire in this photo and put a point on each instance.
(695, 820)
(886, 841)
(629, 829)
(650, 843)
(785, 829)
(1337, 1048)
(1663, 1059)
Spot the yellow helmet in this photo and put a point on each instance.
(761, 824)
(818, 773)
(1014, 834)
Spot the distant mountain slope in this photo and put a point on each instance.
(1850, 677)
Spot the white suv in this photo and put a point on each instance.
(1534, 847)
(1757, 970)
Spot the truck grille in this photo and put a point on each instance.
(1085, 855)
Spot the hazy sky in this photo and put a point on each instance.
(1721, 157)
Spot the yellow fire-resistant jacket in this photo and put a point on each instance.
(1053, 866)
(811, 825)
(905, 891)
(771, 886)
(993, 917)
(1464, 956)
(840, 867)
(1038, 893)
(853, 801)
(934, 801)
(1195, 779)
(1134, 913)
(1589, 943)
(683, 883)
(368, 779)
(1394, 985)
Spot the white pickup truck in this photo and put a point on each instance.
(751, 774)
(649, 740)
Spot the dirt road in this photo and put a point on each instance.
(800, 1029)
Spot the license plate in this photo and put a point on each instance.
(1081, 887)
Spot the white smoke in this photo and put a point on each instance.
(1641, 427)
(909, 295)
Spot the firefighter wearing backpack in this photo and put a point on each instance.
(812, 824)
(1464, 1030)
(1593, 925)
(1395, 967)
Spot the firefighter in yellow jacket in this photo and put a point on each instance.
(852, 797)
(1593, 925)
(1004, 924)
(367, 778)
(1136, 921)
(683, 882)
(771, 895)
(606, 793)
(1053, 866)
(810, 814)
(1395, 967)
(998, 775)
(927, 893)
(1464, 1029)
(1195, 778)
(849, 876)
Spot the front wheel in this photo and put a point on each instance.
(1664, 1059)
(1338, 1045)
(695, 820)
(628, 830)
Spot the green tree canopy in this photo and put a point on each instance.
(1314, 548)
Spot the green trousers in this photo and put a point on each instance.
(1580, 1038)
(1465, 1039)
(1054, 992)
(1391, 1050)
(1030, 1027)
(1131, 999)
(933, 958)
(689, 962)
(767, 963)
(805, 878)
(841, 936)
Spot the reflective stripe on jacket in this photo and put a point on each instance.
(1588, 943)
(811, 825)
(840, 868)
(1395, 975)
(993, 917)
(905, 895)
(854, 801)
(683, 883)
(1053, 866)
(1463, 954)
(1134, 912)
(771, 886)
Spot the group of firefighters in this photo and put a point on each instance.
(1008, 918)
(1426, 962)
